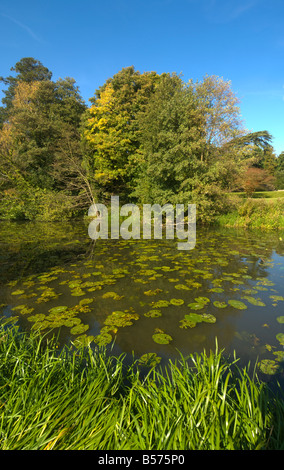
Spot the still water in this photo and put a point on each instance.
(145, 298)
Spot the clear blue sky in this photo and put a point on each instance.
(239, 40)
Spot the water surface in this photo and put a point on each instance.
(145, 296)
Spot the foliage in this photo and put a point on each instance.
(41, 129)
(279, 173)
(146, 137)
(110, 131)
(265, 214)
(256, 179)
(83, 399)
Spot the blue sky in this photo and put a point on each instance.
(239, 40)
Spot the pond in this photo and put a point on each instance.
(145, 298)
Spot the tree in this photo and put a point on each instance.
(279, 173)
(257, 179)
(28, 70)
(171, 143)
(219, 106)
(41, 130)
(110, 131)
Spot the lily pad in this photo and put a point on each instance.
(58, 310)
(153, 313)
(254, 301)
(279, 355)
(208, 318)
(120, 319)
(162, 338)
(112, 295)
(37, 317)
(277, 297)
(237, 304)
(202, 300)
(149, 360)
(78, 329)
(196, 306)
(177, 301)
(268, 367)
(18, 292)
(83, 341)
(181, 287)
(160, 304)
(77, 292)
(103, 339)
(153, 292)
(280, 319)
(218, 304)
(280, 338)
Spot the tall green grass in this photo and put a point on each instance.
(85, 400)
(264, 214)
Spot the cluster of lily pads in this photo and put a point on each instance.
(153, 281)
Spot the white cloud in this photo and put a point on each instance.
(23, 26)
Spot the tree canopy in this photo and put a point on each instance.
(147, 137)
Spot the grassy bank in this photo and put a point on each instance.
(263, 194)
(260, 213)
(83, 399)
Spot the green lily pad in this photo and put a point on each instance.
(279, 355)
(185, 323)
(152, 292)
(58, 310)
(77, 292)
(112, 295)
(254, 301)
(37, 317)
(181, 287)
(162, 338)
(237, 304)
(120, 319)
(280, 319)
(191, 320)
(160, 304)
(18, 292)
(202, 300)
(276, 297)
(196, 306)
(70, 322)
(83, 341)
(153, 313)
(78, 329)
(280, 338)
(103, 339)
(268, 367)
(149, 360)
(86, 301)
(218, 304)
(177, 301)
(41, 325)
(208, 318)
(24, 309)
(194, 317)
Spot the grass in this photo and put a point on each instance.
(264, 214)
(263, 194)
(87, 400)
